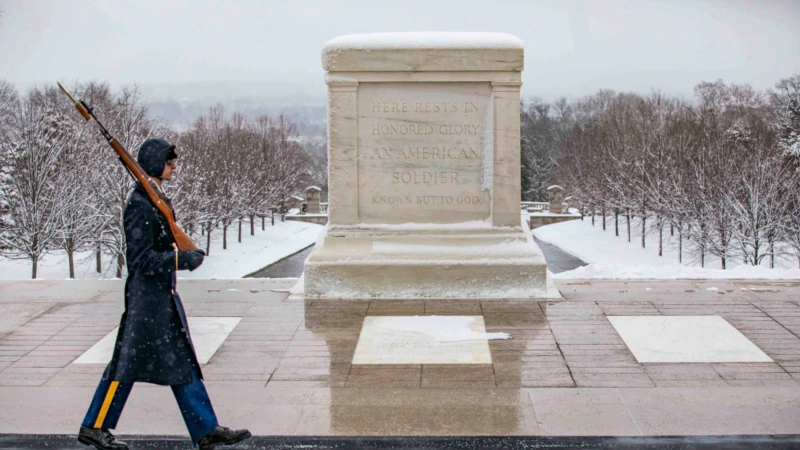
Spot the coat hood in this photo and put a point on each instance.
(153, 154)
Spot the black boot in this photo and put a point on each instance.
(222, 436)
(100, 438)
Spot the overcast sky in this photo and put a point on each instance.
(572, 48)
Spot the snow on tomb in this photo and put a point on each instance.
(424, 170)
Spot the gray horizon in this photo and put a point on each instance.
(245, 49)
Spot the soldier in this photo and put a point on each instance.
(153, 343)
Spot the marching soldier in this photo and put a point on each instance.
(153, 344)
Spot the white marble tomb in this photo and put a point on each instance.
(424, 170)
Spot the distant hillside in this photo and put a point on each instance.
(179, 104)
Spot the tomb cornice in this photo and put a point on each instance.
(424, 52)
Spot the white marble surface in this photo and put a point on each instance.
(423, 155)
(685, 339)
(423, 51)
(208, 334)
(424, 131)
(424, 340)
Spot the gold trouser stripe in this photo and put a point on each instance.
(175, 246)
(106, 404)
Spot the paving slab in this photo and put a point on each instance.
(680, 339)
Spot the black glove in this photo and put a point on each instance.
(190, 259)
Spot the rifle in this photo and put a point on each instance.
(182, 240)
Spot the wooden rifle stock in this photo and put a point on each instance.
(182, 240)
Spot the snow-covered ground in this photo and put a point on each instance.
(610, 256)
(238, 260)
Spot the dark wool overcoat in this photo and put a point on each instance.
(153, 343)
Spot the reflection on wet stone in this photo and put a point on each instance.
(376, 399)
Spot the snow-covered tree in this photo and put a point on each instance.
(283, 162)
(757, 193)
(242, 167)
(29, 186)
(9, 107)
(539, 150)
(77, 222)
(785, 101)
(791, 222)
(713, 170)
(125, 116)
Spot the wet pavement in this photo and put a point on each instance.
(292, 266)
(558, 260)
(289, 267)
(287, 368)
(66, 442)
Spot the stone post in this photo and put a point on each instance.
(556, 197)
(312, 199)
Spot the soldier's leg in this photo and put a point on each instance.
(107, 404)
(195, 405)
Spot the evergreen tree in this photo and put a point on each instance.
(785, 102)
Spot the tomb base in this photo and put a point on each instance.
(359, 262)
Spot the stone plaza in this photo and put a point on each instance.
(287, 368)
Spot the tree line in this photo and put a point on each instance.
(721, 172)
(63, 188)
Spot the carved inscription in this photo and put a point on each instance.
(421, 152)
(402, 129)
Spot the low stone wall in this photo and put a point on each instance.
(319, 219)
(539, 221)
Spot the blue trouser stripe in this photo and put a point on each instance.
(192, 398)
